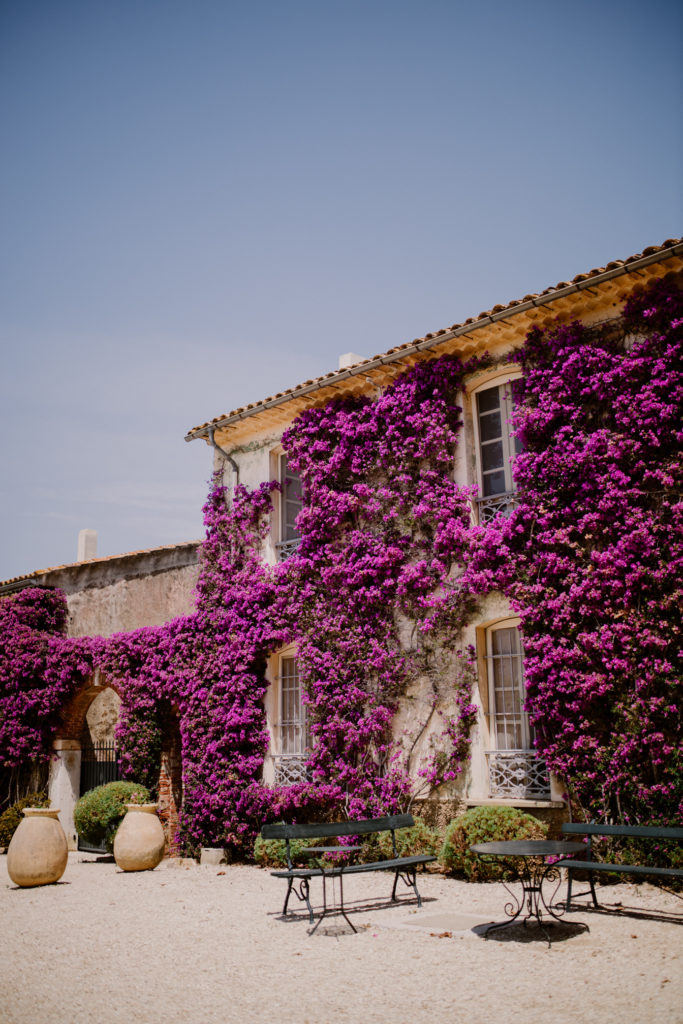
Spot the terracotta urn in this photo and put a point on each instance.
(38, 851)
(139, 841)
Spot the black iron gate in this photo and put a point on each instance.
(99, 764)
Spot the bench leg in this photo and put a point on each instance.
(302, 893)
(410, 878)
(590, 892)
(289, 893)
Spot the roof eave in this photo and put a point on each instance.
(512, 310)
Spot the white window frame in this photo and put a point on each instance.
(489, 505)
(515, 769)
(289, 537)
(291, 733)
(511, 716)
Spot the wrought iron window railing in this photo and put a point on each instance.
(518, 774)
(286, 548)
(290, 769)
(498, 504)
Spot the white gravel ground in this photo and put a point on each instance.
(186, 944)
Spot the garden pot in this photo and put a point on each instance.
(139, 841)
(38, 851)
(213, 856)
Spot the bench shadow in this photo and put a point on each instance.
(624, 910)
(353, 907)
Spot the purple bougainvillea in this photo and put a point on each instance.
(387, 575)
(592, 558)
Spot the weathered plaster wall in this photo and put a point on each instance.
(130, 603)
(125, 592)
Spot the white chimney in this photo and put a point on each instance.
(87, 545)
(350, 359)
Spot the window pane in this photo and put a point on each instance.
(488, 400)
(492, 456)
(494, 483)
(490, 426)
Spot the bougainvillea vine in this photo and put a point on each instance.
(385, 579)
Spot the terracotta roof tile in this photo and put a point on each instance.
(37, 573)
(499, 308)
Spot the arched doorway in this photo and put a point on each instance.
(79, 732)
(85, 756)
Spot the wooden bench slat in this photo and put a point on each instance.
(633, 869)
(634, 831)
(325, 829)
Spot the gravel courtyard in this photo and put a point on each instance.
(190, 944)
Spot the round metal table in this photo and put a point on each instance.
(527, 861)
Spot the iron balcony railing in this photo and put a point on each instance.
(286, 548)
(290, 769)
(498, 504)
(518, 774)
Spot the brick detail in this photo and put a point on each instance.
(170, 783)
(72, 721)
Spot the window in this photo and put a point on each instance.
(292, 728)
(496, 449)
(515, 770)
(290, 506)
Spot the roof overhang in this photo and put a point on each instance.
(497, 328)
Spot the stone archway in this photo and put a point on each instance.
(67, 747)
(89, 716)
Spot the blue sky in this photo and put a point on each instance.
(204, 203)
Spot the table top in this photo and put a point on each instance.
(529, 848)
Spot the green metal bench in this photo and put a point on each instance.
(404, 868)
(593, 866)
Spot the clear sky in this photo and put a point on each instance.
(203, 203)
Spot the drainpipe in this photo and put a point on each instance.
(229, 458)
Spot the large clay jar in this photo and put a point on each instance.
(139, 841)
(38, 852)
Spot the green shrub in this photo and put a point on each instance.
(485, 825)
(419, 838)
(11, 817)
(98, 813)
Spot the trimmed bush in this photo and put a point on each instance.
(98, 813)
(410, 842)
(485, 825)
(11, 817)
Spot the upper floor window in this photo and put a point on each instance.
(290, 506)
(496, 449)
